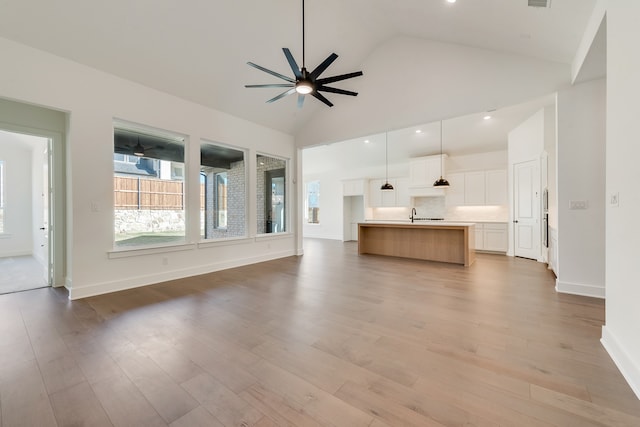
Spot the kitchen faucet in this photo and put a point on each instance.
(413, 214)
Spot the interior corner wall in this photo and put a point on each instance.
(92, 100)
(581, 178)
(17, 237)
(620, 335)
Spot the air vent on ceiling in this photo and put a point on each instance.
(539, 3)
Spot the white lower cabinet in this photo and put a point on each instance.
(479, 237)
(492, 237)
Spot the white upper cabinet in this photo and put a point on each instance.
(353, 187)
(398, 197)
(496, 187)
(424, 171)
(455, 192)
(477, 188)
(402, 193)
(474, 188)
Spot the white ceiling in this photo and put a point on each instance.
(198, 49)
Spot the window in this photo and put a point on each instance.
(149, 201)
(222, 192)
(271, 194)
(312, 202)
(1, 196)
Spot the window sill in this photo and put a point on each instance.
(129, 252)
(273, 236)
(224, 242)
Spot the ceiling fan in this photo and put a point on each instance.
(305, 82)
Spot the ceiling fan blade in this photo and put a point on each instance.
(292, 63)
(273, 73)
(282, 95)
(338, 78)
(336, 90)
(325, 64)
(273, 85)
(321, 98)
(300, 100)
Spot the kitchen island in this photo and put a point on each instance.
(433, 241)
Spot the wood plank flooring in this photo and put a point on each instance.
(327, 339)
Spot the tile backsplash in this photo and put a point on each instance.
(435, 207)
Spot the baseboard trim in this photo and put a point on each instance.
(15, 254)
(139, 281)
(629, 370)
(580, 289)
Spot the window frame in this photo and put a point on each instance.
(236, 224)
(159, 174)
(307, 202)
(262, 207)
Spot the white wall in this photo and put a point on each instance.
(17, 237)
(526, 143)
(581, 177)
(621, 335)
(93, 99)
(409, 80)
(330, 174)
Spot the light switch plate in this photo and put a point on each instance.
(614, 201)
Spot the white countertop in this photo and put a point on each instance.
(449, 222)
(408, 222)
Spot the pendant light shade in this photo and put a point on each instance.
(441, 182)
(386, 186)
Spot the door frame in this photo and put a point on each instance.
(57, 199)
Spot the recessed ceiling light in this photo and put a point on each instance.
(487, 117)
(451, 1)
(366, 141)
(418, 131)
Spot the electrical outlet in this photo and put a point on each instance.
(614, 201)
(578, 204)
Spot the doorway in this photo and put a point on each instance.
(25, 211)
(526, 212)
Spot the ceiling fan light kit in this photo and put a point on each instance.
(305, 82)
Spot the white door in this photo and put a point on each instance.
(526, 186)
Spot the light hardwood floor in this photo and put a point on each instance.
(327, 339)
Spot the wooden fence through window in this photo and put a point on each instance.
(148, 194)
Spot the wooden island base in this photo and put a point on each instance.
(453, 243)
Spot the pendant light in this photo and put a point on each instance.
(441, 182)
(386, 186)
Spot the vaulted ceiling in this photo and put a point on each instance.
(198, 49)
